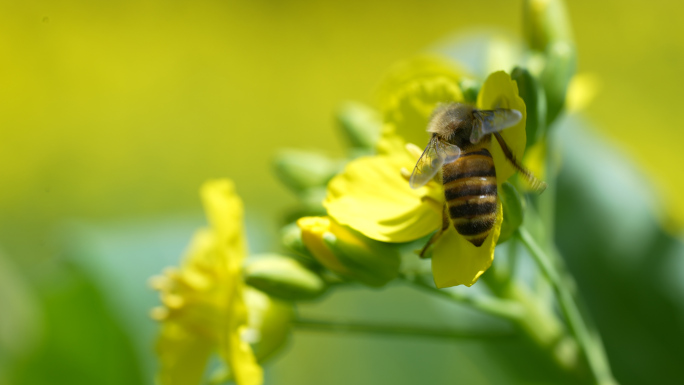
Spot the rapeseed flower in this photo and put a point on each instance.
(204, 309)
(372, 194)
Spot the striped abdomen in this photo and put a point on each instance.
(470, 192)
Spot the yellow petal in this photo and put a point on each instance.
(455, 261)
(225, 214)
(313, 229)
(235, 351)
(499, 90)
(243, 364)
(411, 92)
(182, 357)
(372, 197)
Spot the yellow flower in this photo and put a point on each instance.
(204, 309)
(372, 194)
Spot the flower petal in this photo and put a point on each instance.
(182, 356)
(225, 214)
(234, 350)
(205, 309)
(243, 364)
(372, 197)
(455, 261)
(500, 91)
(313, 230)
(412, 91)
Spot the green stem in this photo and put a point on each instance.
(394, 329)
(589, 342)
(500, 308)
(539, 323)
(547, 200)
(520, 306)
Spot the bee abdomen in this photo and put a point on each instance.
(471, 196)
(470, 164)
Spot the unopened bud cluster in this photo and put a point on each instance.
(318, 252)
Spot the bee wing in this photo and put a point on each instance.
(451, 152)
(428, 165)
(435, 155)
(490, 121)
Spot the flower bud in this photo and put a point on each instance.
(348, 253)
(360, 124)
(548, 31)
(283, 277)
(560, 67)
(300, 170)
(470, 88)
(546, 21)
(268, 321)
(291, 237)
(535, 102)
(513, 211)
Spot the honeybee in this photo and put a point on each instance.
(459, 147)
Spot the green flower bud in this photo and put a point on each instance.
(291, 237)
(269, 322)
(548, 31)
(300, 170)
(372, 263)
(546, 21)
(312, 199)
(470, 89)
(360, 124)
(535, 102)
(349, 253)
(513, 211)
(283, 277)
(560, 67)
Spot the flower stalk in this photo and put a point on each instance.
(393, 329)
(588, 341)
(506, 309)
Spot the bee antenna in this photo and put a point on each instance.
(537, 185)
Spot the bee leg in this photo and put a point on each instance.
(537, 185)
(435, 236)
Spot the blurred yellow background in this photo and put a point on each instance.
(121, 109)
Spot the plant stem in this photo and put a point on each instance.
(539, 322)
(500, 308)
(547, 200)
(519, 306)
(392, 329)
(589, 342)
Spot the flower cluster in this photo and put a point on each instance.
(372, 194)
(360, 222)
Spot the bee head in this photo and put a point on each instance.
(452, 123)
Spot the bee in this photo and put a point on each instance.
(459, 147)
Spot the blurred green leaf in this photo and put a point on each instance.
(84, 343)
(22, 323)
(621, 258)
(120, 258)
